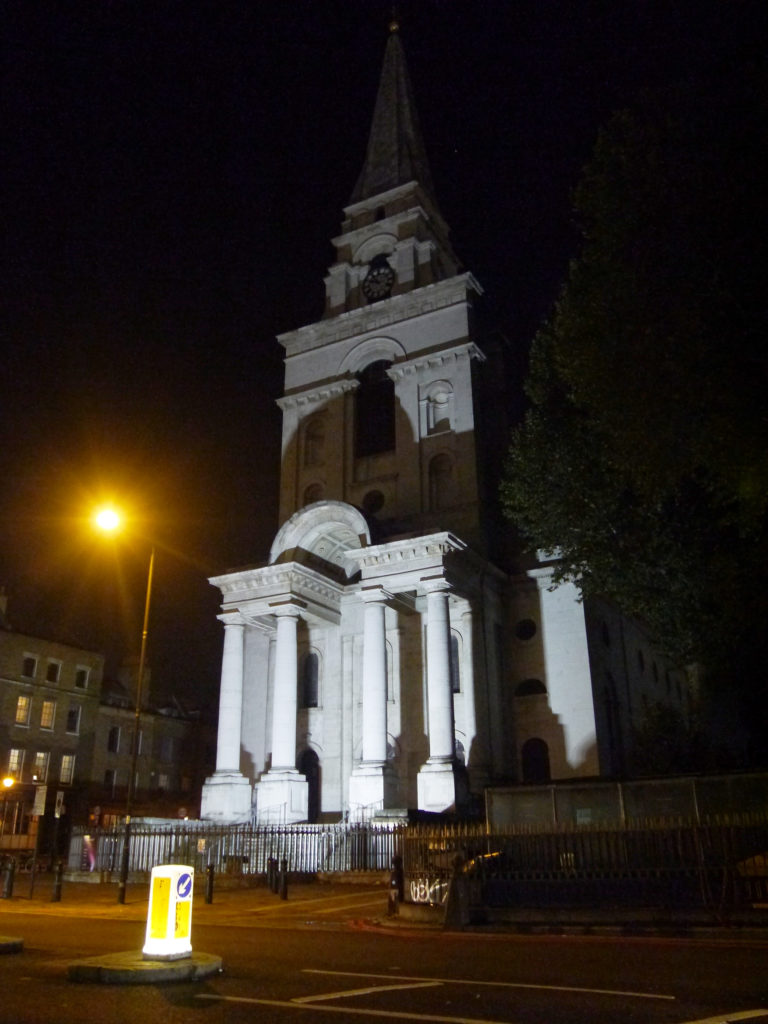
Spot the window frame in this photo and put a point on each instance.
(48, 702)
(56, 665)
(67, 778)
(23, 699)
(78, 710)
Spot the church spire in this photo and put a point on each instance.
(396, 153)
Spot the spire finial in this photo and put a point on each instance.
(394, 21)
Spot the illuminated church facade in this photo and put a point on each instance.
(388, 657)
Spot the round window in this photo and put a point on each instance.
(525, 629)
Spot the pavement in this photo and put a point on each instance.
(331, 904)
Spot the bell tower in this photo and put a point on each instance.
(379, 399)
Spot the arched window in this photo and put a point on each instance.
(441, 483)
(314, 442)
(309, 680)
(375, 411)
(535, 758)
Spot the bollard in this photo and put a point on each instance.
(10, 867)
(209, 883)
(284, 879)
(396, 886)
(272, 879)
(58, 875)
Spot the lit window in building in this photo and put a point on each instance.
(48, 714)
(23, 707)
(15, 762)
(40, 766)
(67, 773)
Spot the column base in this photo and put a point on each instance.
(372, 788)
(436, 787)
(282, 798)
(227, 799)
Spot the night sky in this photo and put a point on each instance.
(173, 173)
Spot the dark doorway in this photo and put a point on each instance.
(309, 766)
(535, 756)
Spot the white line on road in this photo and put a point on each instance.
(389, 1014)
(727, 1018)
(364, 991)
(499, 984)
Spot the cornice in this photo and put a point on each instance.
(401, 552)
(315, 395)
(435, 359)
(367, 319)
(288, 577)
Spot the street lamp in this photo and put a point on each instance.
(8, 783)
(109, 520)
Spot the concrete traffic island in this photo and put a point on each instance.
(10, 944)
(167, 954)
(134, 969)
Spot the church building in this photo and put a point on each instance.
(389, 657)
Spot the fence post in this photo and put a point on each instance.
(284, 879)
(10, 868)
(58, 874)
(396, 885)
(457, 904)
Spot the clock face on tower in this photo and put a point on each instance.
(378, 282)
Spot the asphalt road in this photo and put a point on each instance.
(321, 957)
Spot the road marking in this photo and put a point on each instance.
(726, 1018)
(365, 991)
(500, 984)
(389, 1014)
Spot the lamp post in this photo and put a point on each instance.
(107, 519)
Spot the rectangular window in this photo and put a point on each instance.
(162, 781)
(23, 707)
(29, 666)
(113, 740)
(67, 773)
(53, 672)
(48, 714)
(167, 748)
(133, 740)
(73, 719)
(81, 677)
(15, 762)
(110, 780)
(40, 766)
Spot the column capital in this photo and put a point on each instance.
(374, 595)
(435, 584)
(292, 608)
(231, 618)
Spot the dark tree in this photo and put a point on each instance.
(643, 458)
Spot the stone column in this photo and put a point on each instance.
(226, 795)
(374, 681)
(439, 696)
(285, 691)
(468, 675)
(230, 699)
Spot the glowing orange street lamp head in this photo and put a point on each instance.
(107, 519)
(8, 781)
